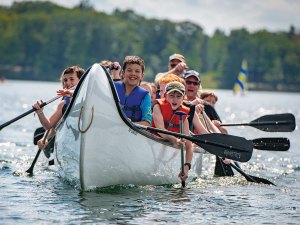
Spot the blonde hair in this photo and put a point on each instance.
(170, 78)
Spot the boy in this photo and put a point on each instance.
(135, 101)
(164, 118)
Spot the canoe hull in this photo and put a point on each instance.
(99, 147)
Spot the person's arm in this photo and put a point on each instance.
(188, 152)
(146, 119)
(53, 119)
(198, 125)
(115, 71)
(210, 125)
(43, 142)
(218, 124)
(178, 69)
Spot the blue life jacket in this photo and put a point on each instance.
(67, 99)
(131, 104)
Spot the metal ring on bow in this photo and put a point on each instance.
(90, 123)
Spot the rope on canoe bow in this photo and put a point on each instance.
(90, 123)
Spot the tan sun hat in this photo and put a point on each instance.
(177, 56)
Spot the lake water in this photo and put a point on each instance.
(45, 198)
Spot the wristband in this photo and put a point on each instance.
(189, 165)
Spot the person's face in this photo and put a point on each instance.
(70, 80)
(211, 100)
(191, 87)
(173, 63)
(175, 99)
(133, 74)
(162, 89)
(147, 88)
(153, 94)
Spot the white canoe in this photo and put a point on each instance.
(97, 146)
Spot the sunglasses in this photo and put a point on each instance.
(173, 65)
(195, 83)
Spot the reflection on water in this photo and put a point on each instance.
(46, 198)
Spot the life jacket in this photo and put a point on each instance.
(211, 112)
(171, 120)
(68, 100)
(131, 104)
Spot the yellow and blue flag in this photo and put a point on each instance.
(241, 82)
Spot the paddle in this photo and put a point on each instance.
(226, 146)
(27, 113)
(237, 167)
(250, 178)
(180, 114)
(38, 134)
(271, 144)
(271, 123)
(30, 170)
(221, 168)
(267, 144)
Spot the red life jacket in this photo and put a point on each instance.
(171, 120)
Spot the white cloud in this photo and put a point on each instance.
(210, 14)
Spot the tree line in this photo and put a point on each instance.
(39, 39)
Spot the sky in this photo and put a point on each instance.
(226, 15)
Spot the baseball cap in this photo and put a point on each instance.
(190, 73)
(175, 86)
(177, 56)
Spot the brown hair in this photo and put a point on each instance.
(133, 59)
(206, 94)
(72, 69)
(146, 84)
(154, 88)
(106, 63)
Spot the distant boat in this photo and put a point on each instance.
(241, 83)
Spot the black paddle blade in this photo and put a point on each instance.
(260, 180)
(251, 178)
(30, 169)
(225, 146)
(275, 123)
(271, 144)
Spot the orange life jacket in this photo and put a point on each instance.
(171, 120)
